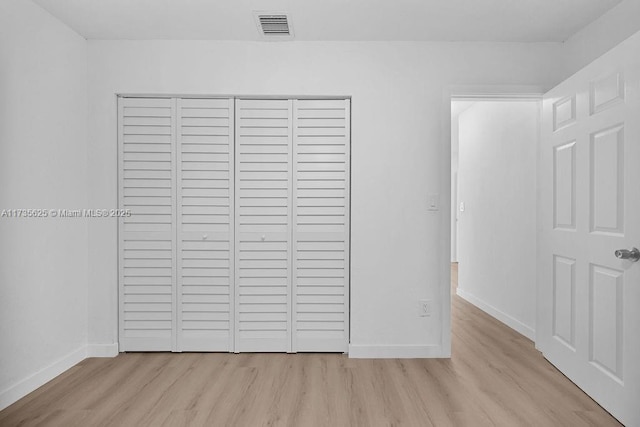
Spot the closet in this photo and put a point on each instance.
(238, 238)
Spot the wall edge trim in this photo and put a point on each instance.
(359, 351)
(497, 314)
(102, 350)
(39, 378)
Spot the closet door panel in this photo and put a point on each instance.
(321, 225)
(263, 225)
(205, 224)
(239, 233)
(146, 138)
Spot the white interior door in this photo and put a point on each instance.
(321, 225)
(589, 176)
(263, 225)
(205, 204)
(147, 277)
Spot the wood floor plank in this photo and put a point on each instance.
(495, 377)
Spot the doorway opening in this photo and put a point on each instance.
(493, 206)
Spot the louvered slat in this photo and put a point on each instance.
(205, 224)
(146, 239)
(321, 225)
(263, 225)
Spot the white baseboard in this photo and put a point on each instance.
(102, 350)
(357, 351)
(43, 376)
(508, 320)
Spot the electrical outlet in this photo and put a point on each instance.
(425, 307)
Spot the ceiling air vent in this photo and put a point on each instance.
(274, 25)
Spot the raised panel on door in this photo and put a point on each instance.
(607, 179)
(205, 208)
(605, 320)
(590, 201)
(564, 301)
(263, 225)
(321, 225)
(146, 138)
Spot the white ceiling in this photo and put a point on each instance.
(432, 20)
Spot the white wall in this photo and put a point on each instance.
(454, 211)
(398, 130)
(497, 231)
(398, 148)
(454, 185)
(618, 24)
(457, 107)
(43, 262)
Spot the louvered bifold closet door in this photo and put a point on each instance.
(263, 225)
(147, 238)
(205, 224)
(321, 225)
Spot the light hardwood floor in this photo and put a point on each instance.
(495, 377)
